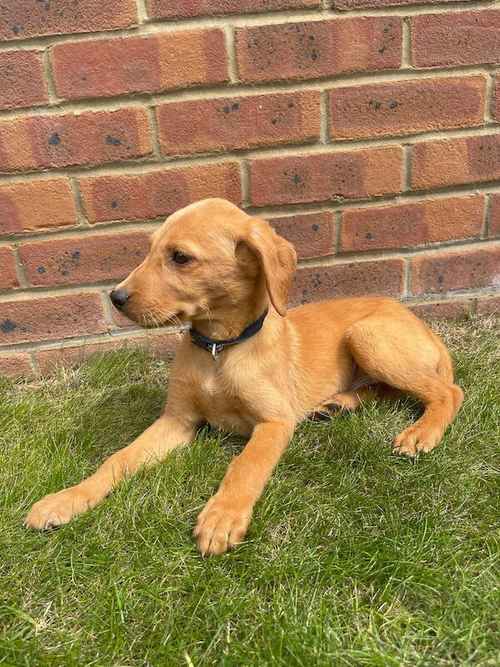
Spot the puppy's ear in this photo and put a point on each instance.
(277, 258)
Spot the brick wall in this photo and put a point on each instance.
(366, 131)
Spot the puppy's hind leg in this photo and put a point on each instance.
(343, 401)
(404, 354)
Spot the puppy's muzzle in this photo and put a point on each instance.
(119, 298)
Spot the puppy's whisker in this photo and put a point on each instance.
(150, 319)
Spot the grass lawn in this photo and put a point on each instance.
(354, 556)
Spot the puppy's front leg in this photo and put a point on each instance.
(225, 518)
(152, 446)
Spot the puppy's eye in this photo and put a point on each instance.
(180, 258)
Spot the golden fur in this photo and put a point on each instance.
(314, 357)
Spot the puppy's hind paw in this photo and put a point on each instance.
(415, 439)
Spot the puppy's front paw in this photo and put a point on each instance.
(57, 509)
(221, 526)
(417, 438)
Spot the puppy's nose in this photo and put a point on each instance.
(119, 297)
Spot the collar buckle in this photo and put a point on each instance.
(216, 349)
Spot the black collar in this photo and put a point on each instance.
(215, 347)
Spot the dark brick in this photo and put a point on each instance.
(412, 225)
(22, 19)
(50, 318)
(41, 142)
(84, 259)
(312, 234)
(356, 279)
(362, 4)
(467, 269)
(238, 122)
(325, 176)
(496, 100)
(446, 310)
(494, 224)
(166, 9)
(158, 193)
(318, 49)
(103, 68)
(407, 107)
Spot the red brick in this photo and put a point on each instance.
(496, 100)
(122, 66)
(15, 365)
(494, 223)
(318, 49)
(358, 278)
(158, 193)
(50, 318)
(488, 306)
(21, 19)
(8, 275)
(412, 225)
(362, 4)
(455, 162)
(456, 270)
(41, 142)
(446, 310)
(73, 355)
(83, 259)
(159, 345)
(311, 234)
(456, 38)
(166, 9)
(238, 122)
(163, 346)
(325, 176)
(21, 79)
(121, 321)
(407, 107)
(36, 205)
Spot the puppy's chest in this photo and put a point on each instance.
(223, 401)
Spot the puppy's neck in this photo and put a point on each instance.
(229, 322)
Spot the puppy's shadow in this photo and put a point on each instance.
(231, 443)
(115, 420)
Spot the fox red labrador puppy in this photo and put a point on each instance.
(248, 365)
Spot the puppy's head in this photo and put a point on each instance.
(207, 258)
